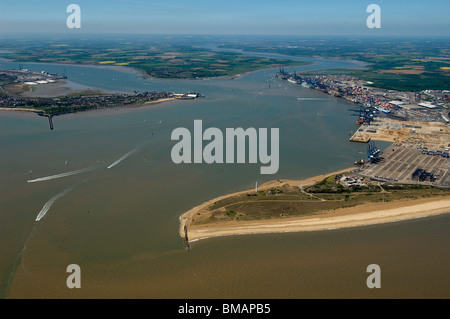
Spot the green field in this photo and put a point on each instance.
(159, 58)
(403, 64)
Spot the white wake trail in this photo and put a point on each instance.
(49, 204)
(122, 158)
(47, 178)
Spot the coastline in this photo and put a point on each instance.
(20, 109)
(42, 113)
(138, 105)
(356, 216)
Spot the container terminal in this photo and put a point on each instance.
(417, 124)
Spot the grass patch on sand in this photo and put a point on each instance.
(288, 200)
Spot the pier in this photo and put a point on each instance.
(50, 121)
(187, 245)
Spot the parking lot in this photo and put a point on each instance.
(399, 163)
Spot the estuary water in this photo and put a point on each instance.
(109, 199)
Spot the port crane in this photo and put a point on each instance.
(365, 116)
(373, 152)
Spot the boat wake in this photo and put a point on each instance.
(47, 178)
(122, 158)
(19, 258)
(49, 204)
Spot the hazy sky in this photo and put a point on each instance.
(296, 17)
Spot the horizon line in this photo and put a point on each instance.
(221, 34)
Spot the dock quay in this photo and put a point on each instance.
(417, 134)
(359, 136)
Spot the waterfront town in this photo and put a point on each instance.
(73, 102)
(79, 103)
